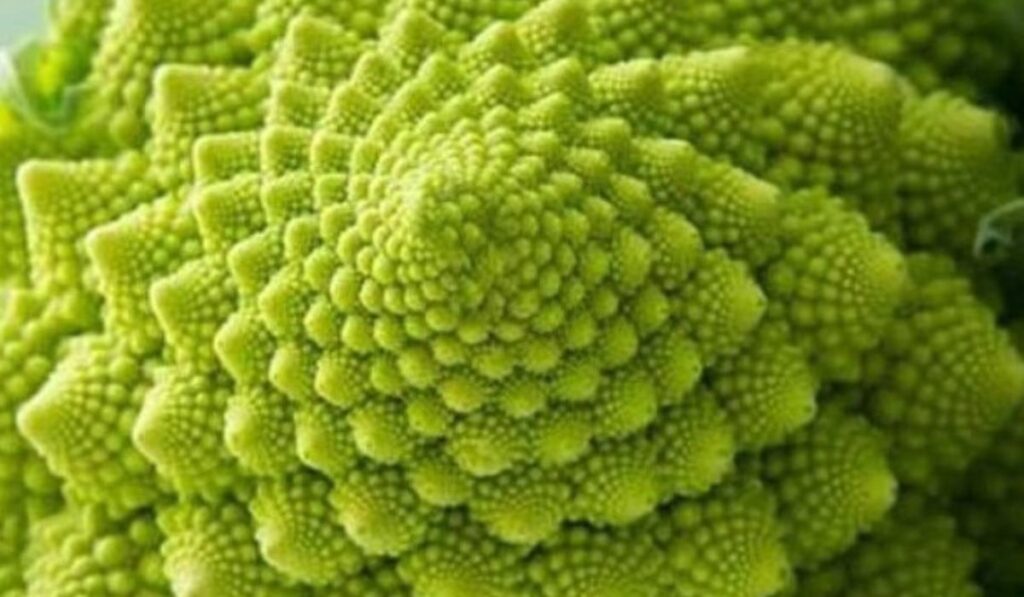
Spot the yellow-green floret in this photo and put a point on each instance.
(461, 298)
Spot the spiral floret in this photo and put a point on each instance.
(470, 298)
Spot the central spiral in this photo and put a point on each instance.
(464, 241)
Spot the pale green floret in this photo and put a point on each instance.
(767, 389)
(945, 380)
(461, 558)
(181, 439)
(914, 554)
(459, 298)
(988, 509)
(835, 284)
(210, 549)
(88, 551)
(727, 543)
(522, 506)
(935, 43)
(30, 329)
(591, 561)
(957, 169)
(696, 445)
(379, 511)
(79, 419)
(832, 482)
(296, 532)
(259, 431)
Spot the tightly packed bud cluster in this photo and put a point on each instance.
(499, 298)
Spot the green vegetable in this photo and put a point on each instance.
(448, 298)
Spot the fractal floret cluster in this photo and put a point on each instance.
(453, 298)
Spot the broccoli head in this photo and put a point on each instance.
(501, 298)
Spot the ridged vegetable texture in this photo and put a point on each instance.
(460, 298)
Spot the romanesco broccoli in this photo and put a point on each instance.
(582, 298)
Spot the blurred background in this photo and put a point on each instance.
(19, 18)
